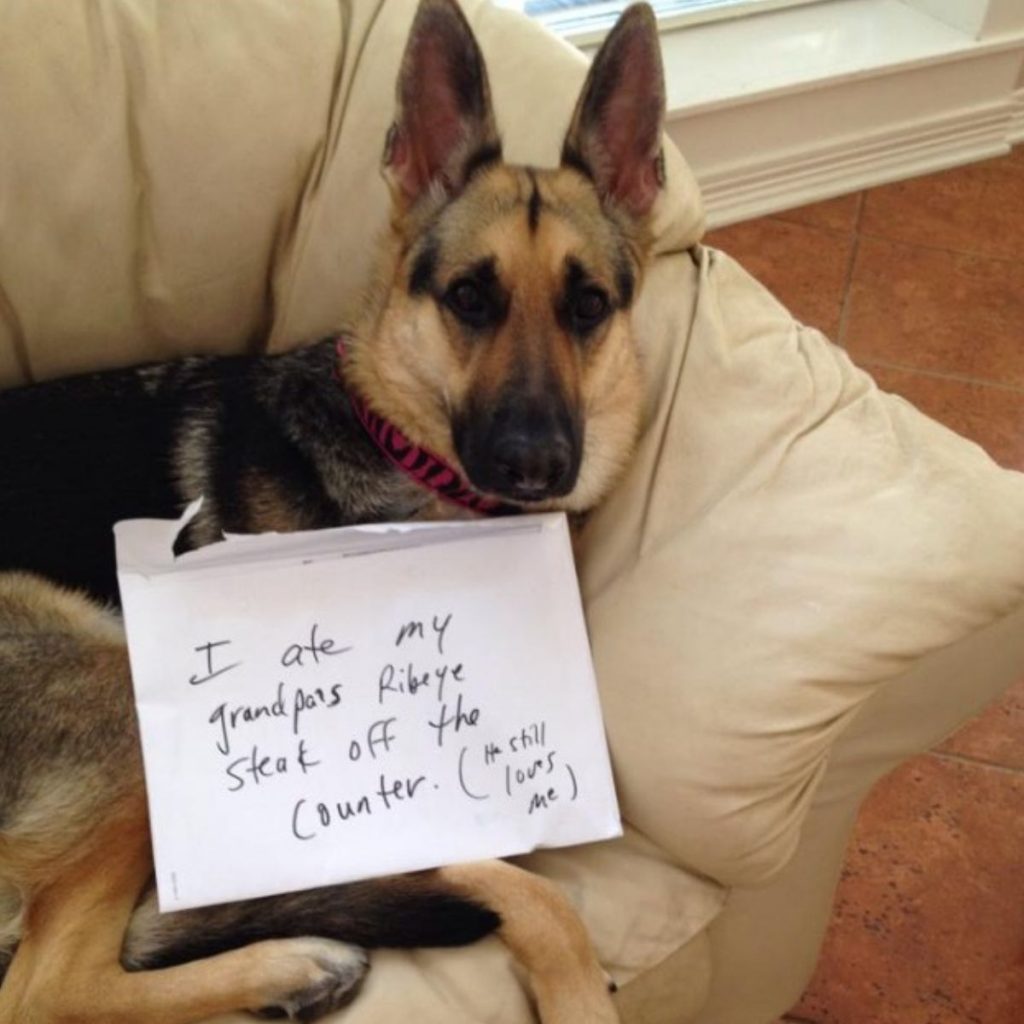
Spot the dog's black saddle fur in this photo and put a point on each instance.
(81, 453)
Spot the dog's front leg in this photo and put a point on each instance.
(302, 979)
(543, 932)
(67, 965)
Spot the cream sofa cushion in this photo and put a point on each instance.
(638, 905)
(788, 539)
(156, 157)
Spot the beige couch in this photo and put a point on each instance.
(801, 582)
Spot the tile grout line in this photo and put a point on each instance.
(781, 218)
(975, 762)
(941, 375)
(969, 253)
(844, 305)
(858, 217)
(778, 218)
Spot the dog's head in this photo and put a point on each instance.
(501, 336)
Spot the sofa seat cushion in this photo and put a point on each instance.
(639, 907)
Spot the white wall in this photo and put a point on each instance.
(966, 15)
(1004, 16)
(979, 18)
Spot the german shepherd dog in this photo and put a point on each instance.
(496, 340)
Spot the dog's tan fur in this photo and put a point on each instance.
(74, 840)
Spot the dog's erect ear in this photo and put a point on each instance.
(615, 133)
(444, 127)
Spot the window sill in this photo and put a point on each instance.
(786, 107)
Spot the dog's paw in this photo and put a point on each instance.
(333, 973)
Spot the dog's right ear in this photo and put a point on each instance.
(444, 128)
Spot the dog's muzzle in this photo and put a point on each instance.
(525, 451)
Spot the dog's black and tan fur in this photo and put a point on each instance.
(496, 334)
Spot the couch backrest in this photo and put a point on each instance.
(204, 177)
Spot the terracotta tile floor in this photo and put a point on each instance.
(923, 283)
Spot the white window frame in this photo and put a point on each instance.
(784, 107)
(587, 25)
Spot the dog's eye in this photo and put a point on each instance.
(465, 299)
(589, 308)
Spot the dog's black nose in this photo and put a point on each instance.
(520, 449)
(530, 468)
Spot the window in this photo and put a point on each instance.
(582, 19)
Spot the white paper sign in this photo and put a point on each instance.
(340, 704)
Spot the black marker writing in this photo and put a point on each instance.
(227, 720)
(304, 763)
(406, 680)
(295, 654)
(410, 679)
(313, 701)
(398, 790)
(575, 784)
(327, 814)
(379, 735)
(540, 801)
(439, 630)
(520, 776)
(409, 630)
(415, 630)
(261, 767)
(462, 779)
(211, 672)
(458, 720)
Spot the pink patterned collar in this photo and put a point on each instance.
(423, 466)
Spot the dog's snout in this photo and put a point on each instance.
(521, 450)
(532, 466)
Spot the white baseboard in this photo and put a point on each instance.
(778, 182)
(1016, 133)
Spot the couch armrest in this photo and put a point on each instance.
(788, 540)
(765, 943)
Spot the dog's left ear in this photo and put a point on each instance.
(615, 133)
(445, 125)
